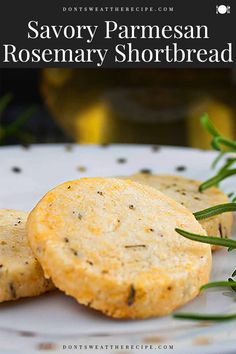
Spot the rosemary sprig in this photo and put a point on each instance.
(212, 240)
(217, 159)
(222, 144)
(231, 244)
(215, 210)
(234, 273)
(204, 317)
(216, 179)
(4, 101)
(218, 143)
(219, 284)
(233, 287)
(15, 128)
(208, 126)
(228, 164)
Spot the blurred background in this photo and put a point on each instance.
(103, 106)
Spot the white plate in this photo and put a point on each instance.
(51, 321)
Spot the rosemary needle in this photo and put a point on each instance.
(217, 159)
(233, 287)
(229, 163)
(217, 284)
(4, 101)
(217, 140)
(208, 126)
(208, 239)
(215, 210)
(216, 179)
(204, 317)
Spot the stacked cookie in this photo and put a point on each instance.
(111, 244)
(186, 192)
(20, 273)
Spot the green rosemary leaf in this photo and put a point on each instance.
(204, 317)
(233, 287)
(215, 210)
(234, 273)
(217, 159)
(14, 127)
(217, 141)
(207, 239)
(25, 137)
(219, 284)
(226, 166)
(4, 101)
(216, 179)
(208, 126)
(231, 249)
(214, 143)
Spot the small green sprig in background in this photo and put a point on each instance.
(223, 145)
(15, 128)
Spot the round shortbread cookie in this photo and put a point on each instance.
(185, 191)
(112, 245)
(20, 273)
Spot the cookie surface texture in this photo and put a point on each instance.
(111, 244)
(185, 191)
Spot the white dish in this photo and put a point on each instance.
(53, 320)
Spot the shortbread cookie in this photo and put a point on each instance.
(20, 273)
(112, 245)
(185, 191)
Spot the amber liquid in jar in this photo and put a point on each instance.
(144, 106)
